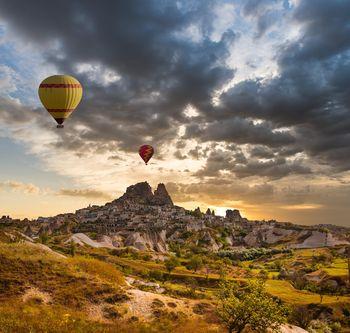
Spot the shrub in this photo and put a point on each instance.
(171, 263)
(301, 316)
(336, 327)
(250, 305)
(195, 263)
(156, 274)
(318, 326)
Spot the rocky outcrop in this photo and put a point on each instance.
(82, 239)
(267, 234)
(148, 241)
(197, 212)
(139, 193)
(210, 242)
(291, 329)
(234, 215)
(161, 196)
(320, 239)
(195, 226)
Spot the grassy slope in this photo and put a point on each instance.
(74, 283)
(285, 291)
(71, 282)
(338, 268)
(73, 286)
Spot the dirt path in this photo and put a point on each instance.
(140, 303)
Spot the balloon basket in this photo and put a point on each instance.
(60, 126)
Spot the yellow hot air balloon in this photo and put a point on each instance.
(60, 95)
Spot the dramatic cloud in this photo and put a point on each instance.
(142, 67)
(220, 193)
(240, 90)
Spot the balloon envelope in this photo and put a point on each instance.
(146, 152)
(60, 95)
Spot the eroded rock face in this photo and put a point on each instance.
(141, 193)
(148, 241)
(233, 214)
(138, 193)
(320, 239)
(161, 196)
(267, 234)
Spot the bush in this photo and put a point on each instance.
(301, 316)
(336, 327)
(318, 326)
(156, 274)
(251, 305)
(171, 263)
(195, 263)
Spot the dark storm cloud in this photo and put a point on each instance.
(239, 130)
(261, 152)
(242, 166)
(327, 28)
(311, 94)
(261, 10)
(273, 169)
(162, 71)
(145, 42)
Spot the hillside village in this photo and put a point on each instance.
(150, 221)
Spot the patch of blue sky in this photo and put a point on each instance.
(26, 68)
(17, 165)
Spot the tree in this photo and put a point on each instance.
(44, 238)
(251, 305)
(195, 263)
(72, 248)
(171, 263)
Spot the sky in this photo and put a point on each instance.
(246, 103)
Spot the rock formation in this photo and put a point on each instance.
(138, 193)
(161, 196)
(150, 221)
(141, 193)
(235, 215)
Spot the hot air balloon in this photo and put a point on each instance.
(146, 152)
(60, 95)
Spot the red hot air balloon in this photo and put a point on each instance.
(146, 152)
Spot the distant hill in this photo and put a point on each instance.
(150, 221)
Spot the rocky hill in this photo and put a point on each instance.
(150, 221)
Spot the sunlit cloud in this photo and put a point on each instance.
(302, 207)
(16, 186)
(85, 193)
